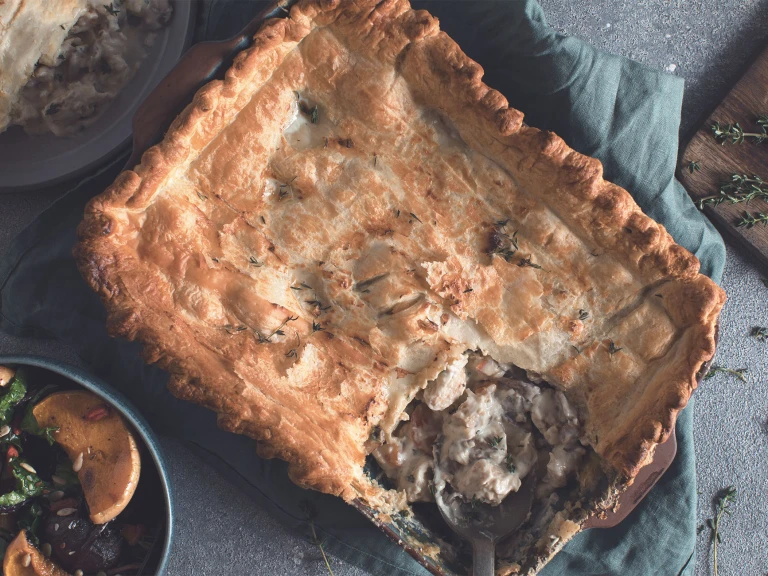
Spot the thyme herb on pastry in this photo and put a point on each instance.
(438, 276)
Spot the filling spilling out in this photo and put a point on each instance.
(484, 426)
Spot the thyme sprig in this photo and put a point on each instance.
(740, 188)
(694, 166)
(760, 333)
(749, 220)
(286, 189)
(613, 349)
(529, 263)
(738, 372)
(735, 134)
(309, 515)
(723, 502)
(502, 243)
(277, 332)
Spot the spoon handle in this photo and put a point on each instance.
(483, 553)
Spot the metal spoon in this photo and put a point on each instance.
(484, 525)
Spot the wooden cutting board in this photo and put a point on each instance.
(718, 162)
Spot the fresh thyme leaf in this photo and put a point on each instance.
(415, 217)
(527, 262)
(278, 331)
(262, 220)
(735, 134)
(612, 349)
(748, 220)
(293, 352)
(577, 350)
(309, 515)
(468, 290)
(495, 441)
(511, 464)
(296, 288)
(740, 188)
(111, 9)
(62, 26)
(722, 502)
(234, 329)
(411, 478)
(215, 259)
(374, 159)
(314, 115)
(760, 333)
(253, 262)
(739, 372)
(583, 314)
(694, 167)
(316, 327)
(201, 195)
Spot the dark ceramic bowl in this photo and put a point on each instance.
(70, 375)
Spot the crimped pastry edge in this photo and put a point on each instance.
(648, 250)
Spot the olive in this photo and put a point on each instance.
(79, 544)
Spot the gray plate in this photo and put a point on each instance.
(38, 161)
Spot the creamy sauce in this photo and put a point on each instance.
(478, 433)
(309, 127)
(99, 56)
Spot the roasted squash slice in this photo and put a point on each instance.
(102, 449)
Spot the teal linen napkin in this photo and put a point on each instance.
(603, 105)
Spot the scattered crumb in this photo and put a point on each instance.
(671, 68)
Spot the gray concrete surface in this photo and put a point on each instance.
(705, 41)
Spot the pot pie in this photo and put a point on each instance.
(63, 61)
(357, 254)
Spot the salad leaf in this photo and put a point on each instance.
(14, 394)
(65, 472)
(29, 422)
(27, 485)
(29, 520)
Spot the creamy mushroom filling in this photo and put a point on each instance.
(486, 427)
(99, 56)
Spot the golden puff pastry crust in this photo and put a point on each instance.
(351, 208)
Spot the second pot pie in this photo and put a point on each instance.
(352, 246)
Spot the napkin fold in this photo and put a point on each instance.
(603, 105)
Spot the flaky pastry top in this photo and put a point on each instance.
(351, 208)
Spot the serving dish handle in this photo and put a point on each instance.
(199, 65)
